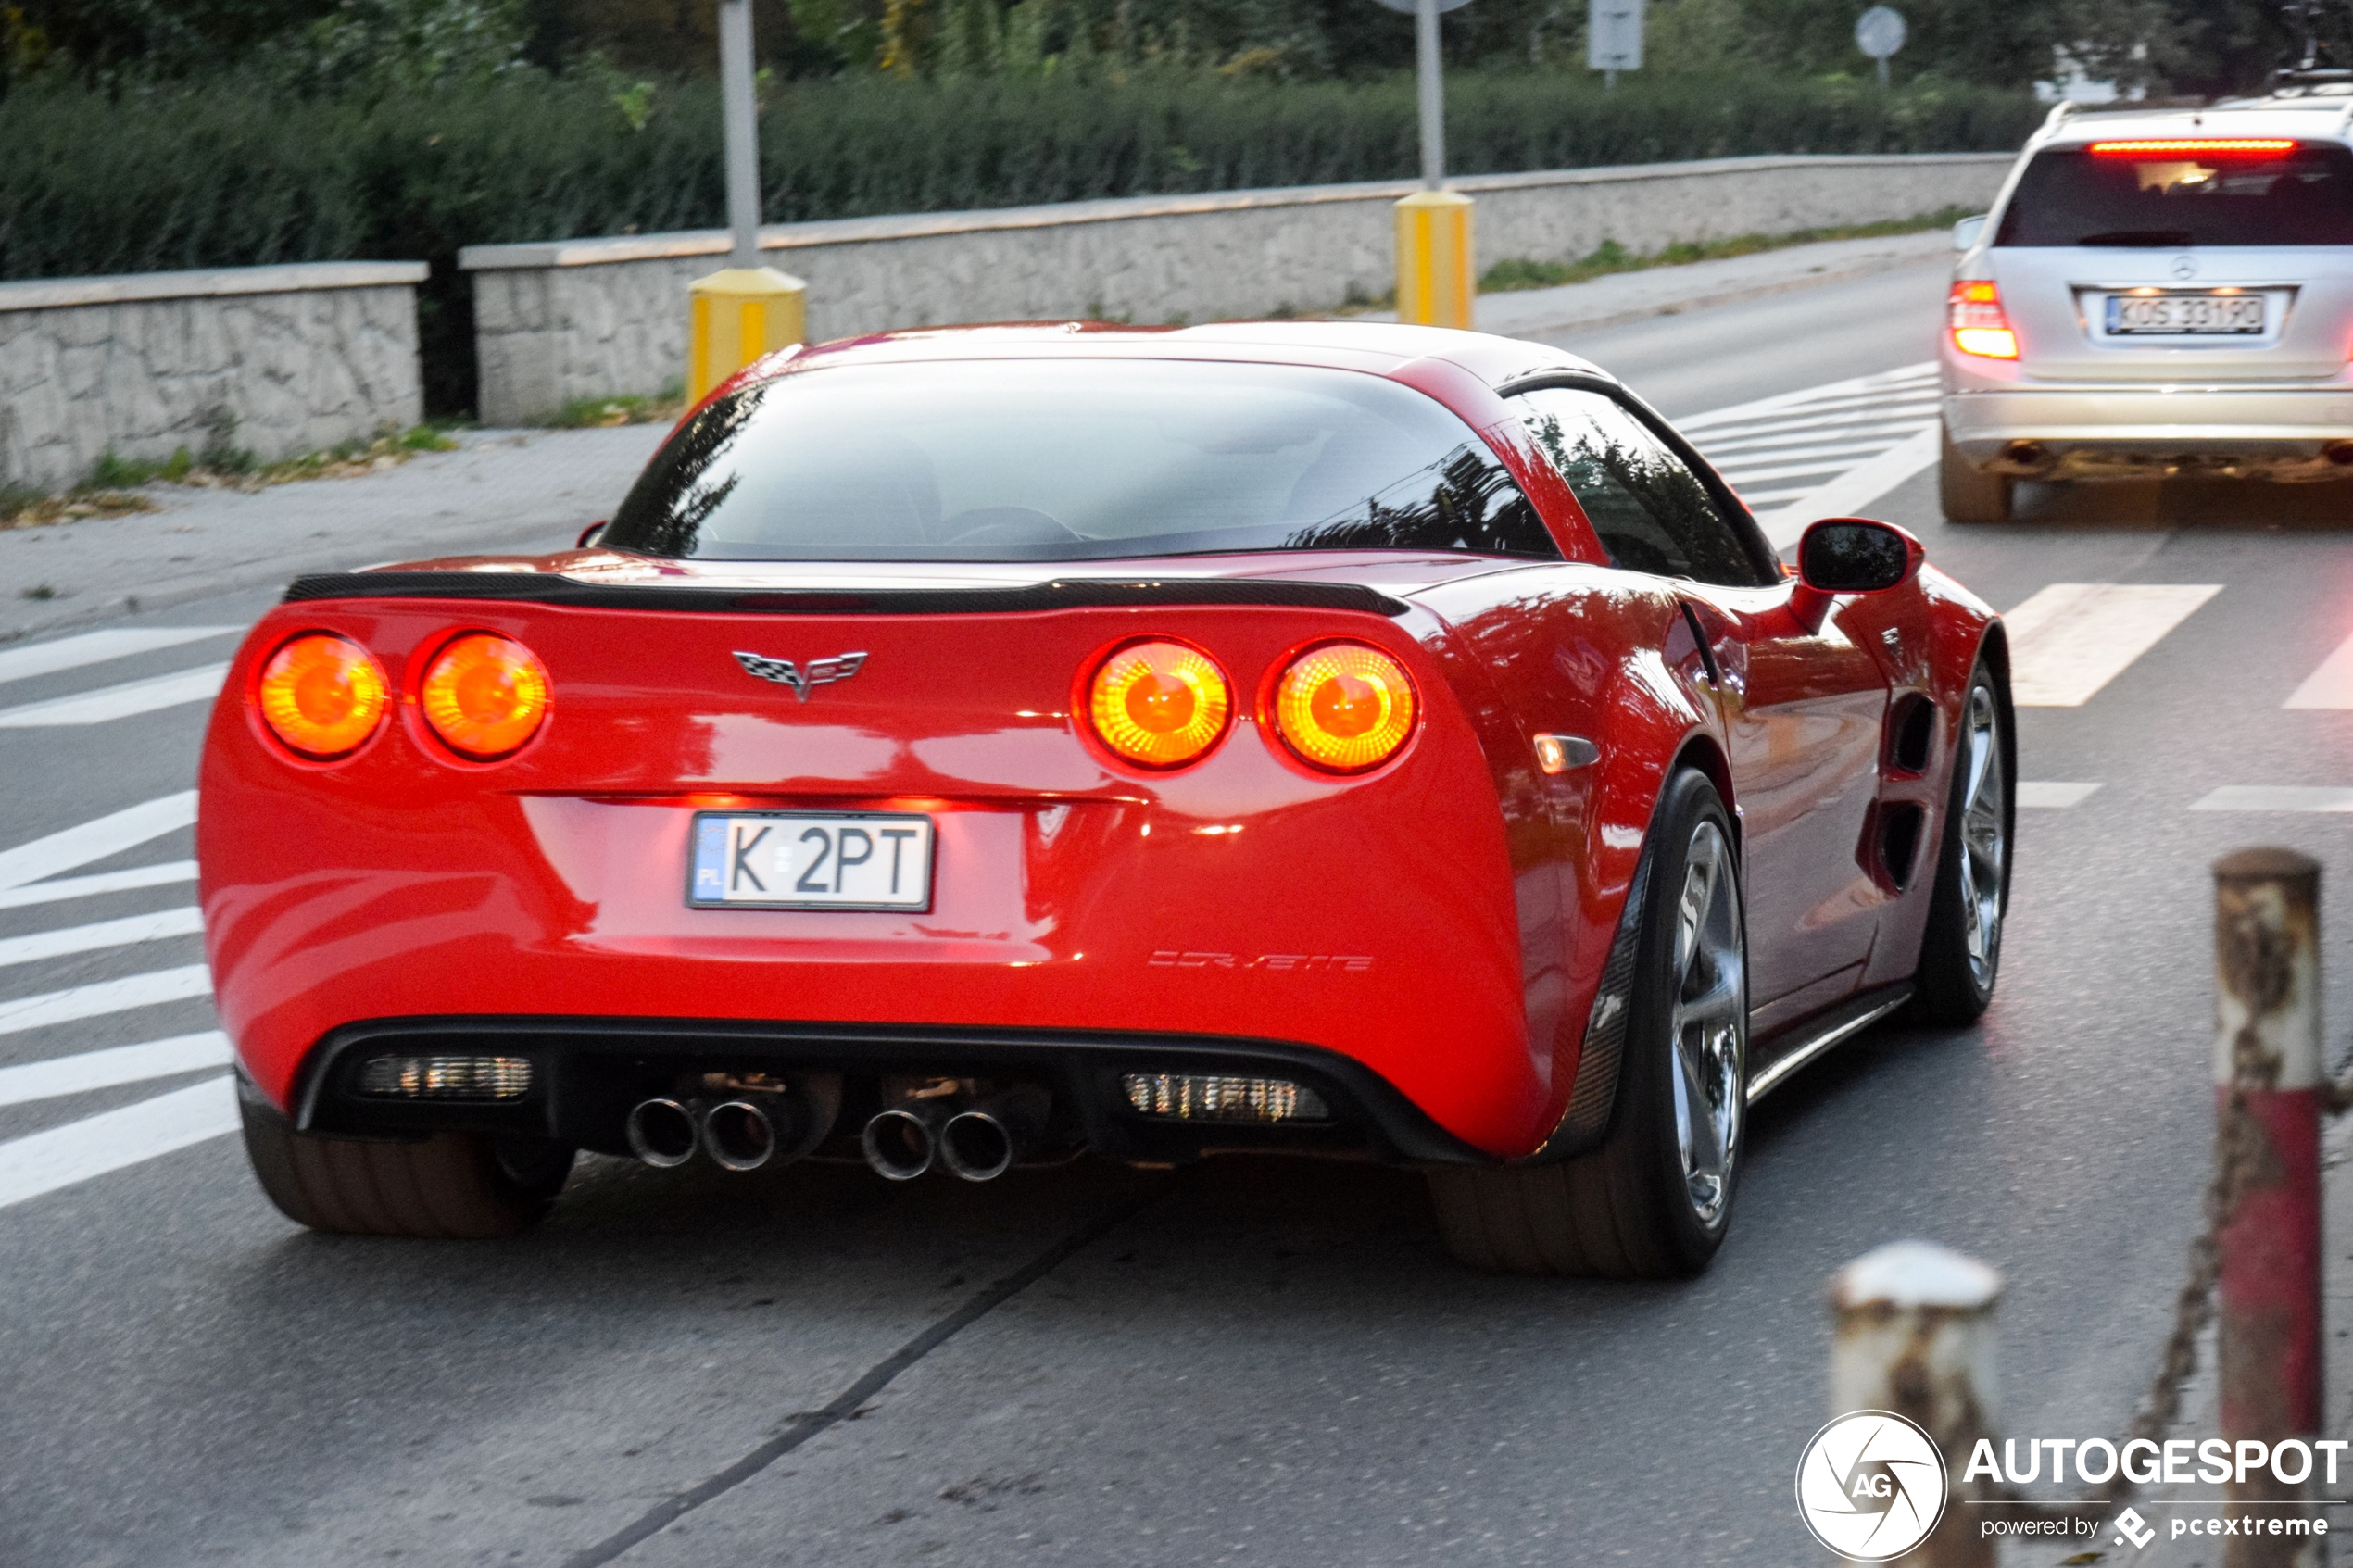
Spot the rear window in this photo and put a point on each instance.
(1072, 460)
(2079, 197)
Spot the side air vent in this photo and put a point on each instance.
(1899, 841)
(1911, 734)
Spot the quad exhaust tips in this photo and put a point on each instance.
(901, 1143)
(981, 1144)
(740, 1134)
(663, 1133)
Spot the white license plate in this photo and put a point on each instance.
(811, 860)
(2184, 313)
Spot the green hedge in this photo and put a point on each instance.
(211, 175)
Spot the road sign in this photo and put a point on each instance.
(1879, 33)
(1614, 37)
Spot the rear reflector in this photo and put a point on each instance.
(447, 1077)
(1194, 1096)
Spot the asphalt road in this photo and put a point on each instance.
(1248, 1363)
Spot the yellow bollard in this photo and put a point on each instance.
(1435, 280)
(739, 314)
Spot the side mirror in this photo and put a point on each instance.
(1849, 554)
(1854, 555)
(1965, 232)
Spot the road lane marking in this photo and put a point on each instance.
(2054, 796)
(109, 835)
(150, 695)
(96, 648)
(2073, 638)
(2277, 797)
(1882, 386)
(1853, 490)
(158, 876)
(105, 997)
(59, 1157)
(2329, 686)
(114, 1066)
(186, 921)
(1876, 428)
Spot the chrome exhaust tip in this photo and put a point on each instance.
(662, 1132)
(740, 1136)
(976, 1146)
(900, 1144)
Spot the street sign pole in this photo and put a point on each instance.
(743, 146)
(1433, 88)
(1435, 283)
(744, 310)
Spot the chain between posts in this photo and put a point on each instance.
(2239, 1147)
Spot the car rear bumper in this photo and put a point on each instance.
(585, 1074)
(2112, 431)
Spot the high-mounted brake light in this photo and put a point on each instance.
(2224, 146)
(1979, 326)
(485, 696)
(1161, 704)
(1344, 706)
(321, 694)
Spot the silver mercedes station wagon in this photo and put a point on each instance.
(2159, 293)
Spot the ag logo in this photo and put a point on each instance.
(1870, 1486)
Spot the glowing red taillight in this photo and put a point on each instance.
(1979, 326)
(321, 694)
(485, 696)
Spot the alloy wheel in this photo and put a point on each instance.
(1709, 1022)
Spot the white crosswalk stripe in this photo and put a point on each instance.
(2331, 685)
(2050, 796)
(104, 997)
(112, 1067)
(58, 1156)
(78, 1149)
(200, 684)
(1825, 451)
(183, 921)
(109, 835)
(96, 648)
(2070, 639)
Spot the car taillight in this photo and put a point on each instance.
(1344, 706)
(485, 696)
(2193, 147)
(1979, 326)
(1159, 703)
(321, 694)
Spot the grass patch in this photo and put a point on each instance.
(606, 413)
(115, 481)
(1518, 272)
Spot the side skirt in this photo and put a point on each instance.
(1818, 1035)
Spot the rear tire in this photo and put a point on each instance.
(452, 1185)
(1655, 1200)
(1969, 496)
(1961, 950)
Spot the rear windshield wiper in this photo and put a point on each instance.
(2153, 237)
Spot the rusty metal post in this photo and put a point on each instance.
(2268, 1089)
(1915, 1335)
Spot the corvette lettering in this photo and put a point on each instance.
(1295, 963)
(784, 673)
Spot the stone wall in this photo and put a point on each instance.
(604, 317)
(277, 360)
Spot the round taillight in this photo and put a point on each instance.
(321, 694)
(1344, 706)
(1160, 704)
(485, 696)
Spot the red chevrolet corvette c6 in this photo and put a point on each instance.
(971, 748)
